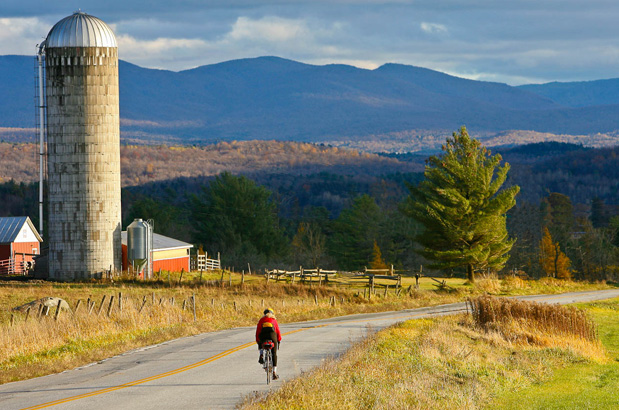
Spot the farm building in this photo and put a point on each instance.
(168, 253)
(19, 244)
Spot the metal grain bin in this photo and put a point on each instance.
(137, 240)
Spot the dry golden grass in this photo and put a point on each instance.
(553, 319)
(42, 345)
(32, 346)
(444, 363)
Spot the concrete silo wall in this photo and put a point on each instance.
(83, 143)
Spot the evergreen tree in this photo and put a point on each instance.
(560, 218)
(237, 217)
(461, 208)
(354, 233)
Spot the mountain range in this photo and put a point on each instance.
(275, 98)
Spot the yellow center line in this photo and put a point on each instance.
(197, 364)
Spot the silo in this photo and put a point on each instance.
(138, 244)
(83, 148)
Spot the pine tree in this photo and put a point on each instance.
(461, 208)
(554, 262)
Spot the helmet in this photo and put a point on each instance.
(269, 310)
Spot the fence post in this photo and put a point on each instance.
(27, 314)
(243, 277)
(120, 301)
(181, 277)
(193, 299)
(248, 269)
(386, 289)
(143, 304)
(109, 308)
(230, 279)
(391, 271)
(101, 306)
(77, 306)
(316, 298)
(12, 320)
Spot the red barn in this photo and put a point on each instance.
(168, 253)
(19, 244)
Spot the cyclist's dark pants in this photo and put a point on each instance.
(268, 333)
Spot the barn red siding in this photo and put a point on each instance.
(125, 258)
(25, 247)
(20, 249)
(173, 265)
(5, 252)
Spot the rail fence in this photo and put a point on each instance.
(12, 267)
(367, 278)
(201, 262)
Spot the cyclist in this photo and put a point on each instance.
(268, 329)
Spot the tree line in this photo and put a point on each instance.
(463, 215)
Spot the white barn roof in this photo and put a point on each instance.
(161, 243)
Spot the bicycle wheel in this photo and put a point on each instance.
(268, 365)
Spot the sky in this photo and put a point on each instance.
(510, 41)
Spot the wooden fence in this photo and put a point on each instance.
(13, 267)
(366, 278)
(201, 262)
(302, 275)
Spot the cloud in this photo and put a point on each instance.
(485, 39)
(269, 29)
(21, 35)
(135, 48)
(433, 28)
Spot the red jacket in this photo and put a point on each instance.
(268, 322)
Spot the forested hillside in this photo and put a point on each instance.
(332, 207)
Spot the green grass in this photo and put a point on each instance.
(580, 386)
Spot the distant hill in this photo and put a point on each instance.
(274, 98)
(579, 94)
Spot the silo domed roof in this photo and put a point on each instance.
(80, 30)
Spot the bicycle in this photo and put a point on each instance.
(268, 359)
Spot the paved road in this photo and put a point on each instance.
(214, 370)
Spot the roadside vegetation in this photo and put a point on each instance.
(150, 312)
(532, 356)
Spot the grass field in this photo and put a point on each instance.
(586, 385)
(451, 363)
(155, 311)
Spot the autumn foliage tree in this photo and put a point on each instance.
(377, 261)
(554, 262)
